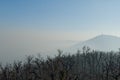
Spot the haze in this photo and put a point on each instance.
(39, 26)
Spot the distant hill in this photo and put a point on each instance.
(101, 42)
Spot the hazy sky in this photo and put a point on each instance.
(61, 19)
(30, 25)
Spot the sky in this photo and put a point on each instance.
(31, 25)
(68, 19)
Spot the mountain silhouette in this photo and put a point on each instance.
(100, 42)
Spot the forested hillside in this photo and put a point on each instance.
(84, 65)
